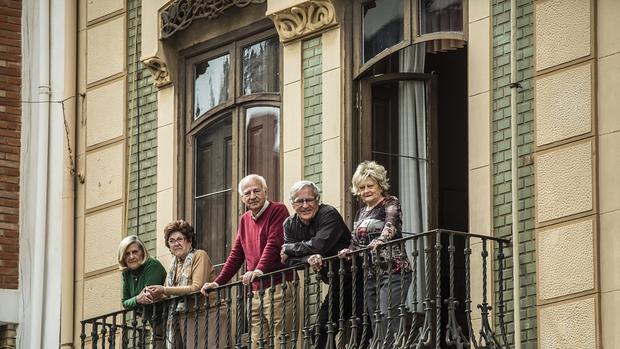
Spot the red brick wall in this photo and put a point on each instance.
(10, 129)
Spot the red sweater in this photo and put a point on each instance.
(258, 242)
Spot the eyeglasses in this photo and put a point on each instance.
(249, 193)
(300, 202)
(174, 241)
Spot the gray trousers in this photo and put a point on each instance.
(388, 291)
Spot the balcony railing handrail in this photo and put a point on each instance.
(299, 267)
(430, 250)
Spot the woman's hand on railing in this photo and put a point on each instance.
(375, 243)
(316, 262)
(144, 297)
(345, 253)
(155, 292)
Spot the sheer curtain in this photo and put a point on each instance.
(441, 16)
(412, 148)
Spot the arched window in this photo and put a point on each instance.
(231, 128)
(386, 26)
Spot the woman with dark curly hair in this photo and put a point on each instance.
(189, 270)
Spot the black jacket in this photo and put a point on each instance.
(326, 235)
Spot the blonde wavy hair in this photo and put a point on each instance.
(370, 169)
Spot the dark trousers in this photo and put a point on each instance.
(323, 316)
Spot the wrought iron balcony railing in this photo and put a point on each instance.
(435, 311)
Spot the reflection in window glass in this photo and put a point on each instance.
(441, 16)
(383, 26)
(211, 82)
(263, 145)
(213, 187)
(260, 67)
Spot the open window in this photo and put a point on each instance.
(386, 26)
(412, 118)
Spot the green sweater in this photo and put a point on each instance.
(134, 281)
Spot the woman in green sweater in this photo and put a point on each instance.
(139, 271)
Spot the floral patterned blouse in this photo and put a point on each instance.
(381, 222)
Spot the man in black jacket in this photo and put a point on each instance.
(314, 232)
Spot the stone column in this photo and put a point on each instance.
(312, 103)
(567, 228)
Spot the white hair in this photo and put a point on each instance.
(251, 177)
(124, 245)
(299, 185)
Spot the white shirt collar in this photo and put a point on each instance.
(261, 211)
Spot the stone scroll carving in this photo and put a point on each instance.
(159, 71)
(303, 19)
(181, 13)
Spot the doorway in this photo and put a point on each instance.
(413, 121)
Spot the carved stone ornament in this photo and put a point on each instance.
(158, 70)
(181, 13)
(303, 19)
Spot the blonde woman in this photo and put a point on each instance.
(378, 222)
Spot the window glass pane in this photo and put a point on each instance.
(213, 188)
(211, 82)
(260, 67)
(441, 16)
(263, 146)
(382, 26)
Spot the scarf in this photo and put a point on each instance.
(185, 277)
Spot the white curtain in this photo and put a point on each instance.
(412, 149)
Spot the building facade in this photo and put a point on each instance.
(157, 108)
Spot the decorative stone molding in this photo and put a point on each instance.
(181, 13)
(304, 19)
(159, 70)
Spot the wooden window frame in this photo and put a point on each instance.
(363, 126)
(188, 128)
(410, 31)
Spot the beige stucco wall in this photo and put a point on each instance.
(564, 181)
(292, 123)
(563, 104)
(105, 48)
(105, 107)
(578, 324)
(166, 171)
(479, 142)
(566, 259)
(279, 5)
(567, 178)
(608, 137)
(333, 169)
(101, 157)
(332, 108)
(566, 30)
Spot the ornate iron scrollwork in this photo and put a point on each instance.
(181, 13)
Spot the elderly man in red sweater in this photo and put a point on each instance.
(259, 239)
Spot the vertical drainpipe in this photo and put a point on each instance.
(67, 25)
(516, 264)
(41, 118)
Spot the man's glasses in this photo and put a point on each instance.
(300, 202)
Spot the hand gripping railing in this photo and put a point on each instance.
(371, 299)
